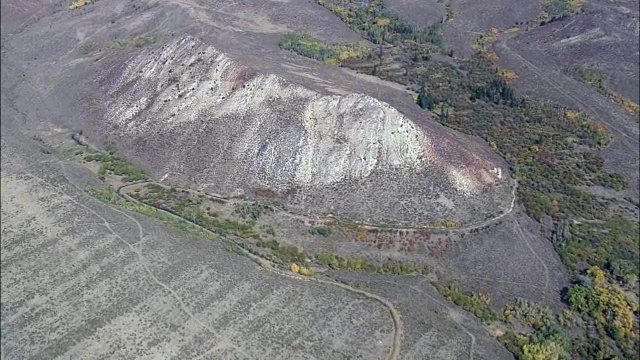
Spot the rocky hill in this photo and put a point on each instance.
(191, 114)
(194, 115)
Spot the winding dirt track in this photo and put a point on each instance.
(526, 237)
(264, 263)
(271, 267)
(562, 90)
(121, 191)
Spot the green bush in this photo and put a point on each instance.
(270, 231)
(251, 211)
(331, 260)
(333, 54)
(365, 19)
(399, 268)
(336, 262)
(321, 230)
(612, 245)
(543, 344)
(284, 254)
(116, 165)
(475, 303)
(109, 195)
(610, 311)
(536, 315)
(610, 180)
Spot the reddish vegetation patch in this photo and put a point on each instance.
(440, 247)
(404, 241)
(386, 239)
(265, 193)
(239, 75)
(16, 11)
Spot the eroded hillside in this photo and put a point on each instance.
(202, 104)
(196, 116)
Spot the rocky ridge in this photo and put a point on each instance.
(237, 130)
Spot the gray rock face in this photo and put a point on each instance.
(218, 123)
(240, 121)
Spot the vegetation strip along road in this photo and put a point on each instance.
(272, 267)
(326, 219)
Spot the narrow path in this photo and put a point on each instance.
(560, 89)
(131, 246)
(264, 263)
(452, 314)
(121, 191)
(451, 310)
(498, 281)
(526, 239)
(272, 267)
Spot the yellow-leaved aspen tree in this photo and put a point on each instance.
(383, 23)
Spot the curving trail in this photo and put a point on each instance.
(536, 70)
(131, 246)
(453, 315)
(499, 281)
(264, 263)
(526, 238)
(362, 224)
(452, 311)
(271, 267)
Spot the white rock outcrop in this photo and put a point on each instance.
(236, 128)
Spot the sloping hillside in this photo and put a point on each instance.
(231, 128)
(191, 114)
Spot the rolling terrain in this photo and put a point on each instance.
(85, 280)
(376, 230)
(234, 128)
